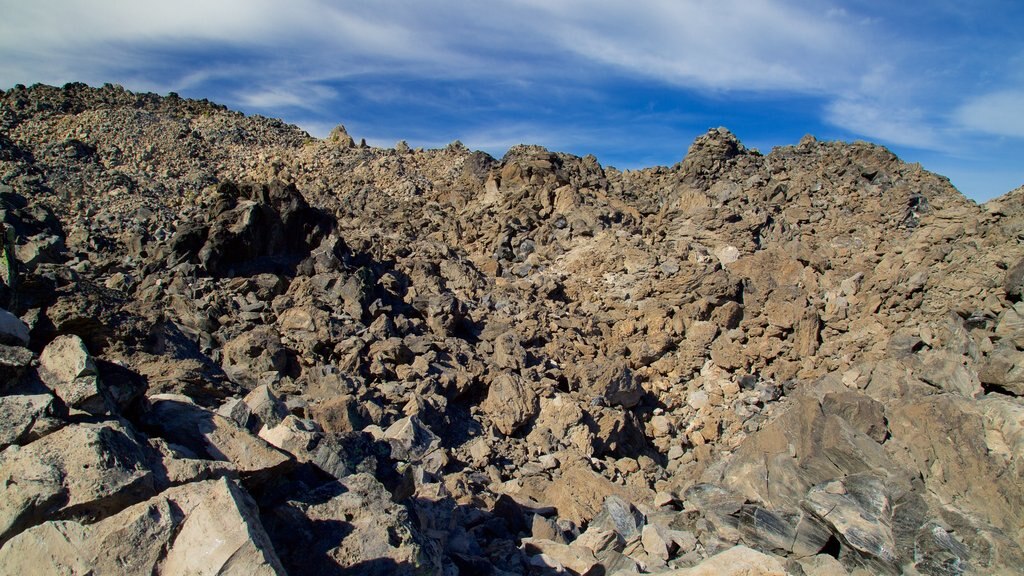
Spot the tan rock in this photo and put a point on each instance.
(736, 561)
(202, 528)
(81, 471)
(510, 402)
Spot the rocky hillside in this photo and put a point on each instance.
(231, 348)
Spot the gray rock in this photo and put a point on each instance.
(857, 509)
(14, 363)
(29, 413)
(12, 330)
(621, 516)
(411, 440)
(349, 524)
(266, 408)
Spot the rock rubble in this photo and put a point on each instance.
(229, 347)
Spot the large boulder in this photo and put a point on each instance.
(204, 528)
(85, 471)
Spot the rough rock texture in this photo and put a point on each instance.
(233, 348)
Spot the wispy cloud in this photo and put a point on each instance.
(1000, 113)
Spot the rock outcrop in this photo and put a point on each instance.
(233, 348)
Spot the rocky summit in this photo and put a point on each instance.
(227, 347)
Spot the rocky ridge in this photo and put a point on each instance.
(233, 348)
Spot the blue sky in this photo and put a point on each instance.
(938, 82)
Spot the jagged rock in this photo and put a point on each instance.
(510, 402)
(210, 527)
(29, 413)
(14, 361)
(857, 508)
(411, 440)
(1004, 370)
(66, 366)
(351, 525)
(84, 471)
(214, 437)
(265, 407)
(575, 558)
(253, 354)
(338, 415)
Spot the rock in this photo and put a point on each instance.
(215, 437)
(946, 371)
(620, 516)
(209, 527)
(30, 412)
(349, 525)
(85, 471)
(578, 559)
(656, 542)
(864, 413)
(338, 415)
(66, 366)
(859, 512)
(410, 440)
(736, 561)
(14, 362)
(266, 409)
(255, 353)
(611, 380)
(1004, 370)
(510, 402)
(13, 331)
(822, 565)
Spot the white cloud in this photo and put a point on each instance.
(887, 122)
(1000, 113)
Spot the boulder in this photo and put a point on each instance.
(204, 528)
(736, 561)
(214, 437)
(510, 403)
(84, 471)
(252, 354)
(349, 525)
(66, 366)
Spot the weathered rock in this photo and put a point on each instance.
(858, 509)
(29, 412)
(253, 354)
(578, 559)
(215, 437)
(411, 440)
(14, 361)
(85, 471)
(510, 402)
(210, 527)
(736, 561)
(66, 366)
(351, 525)
(266, 409)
